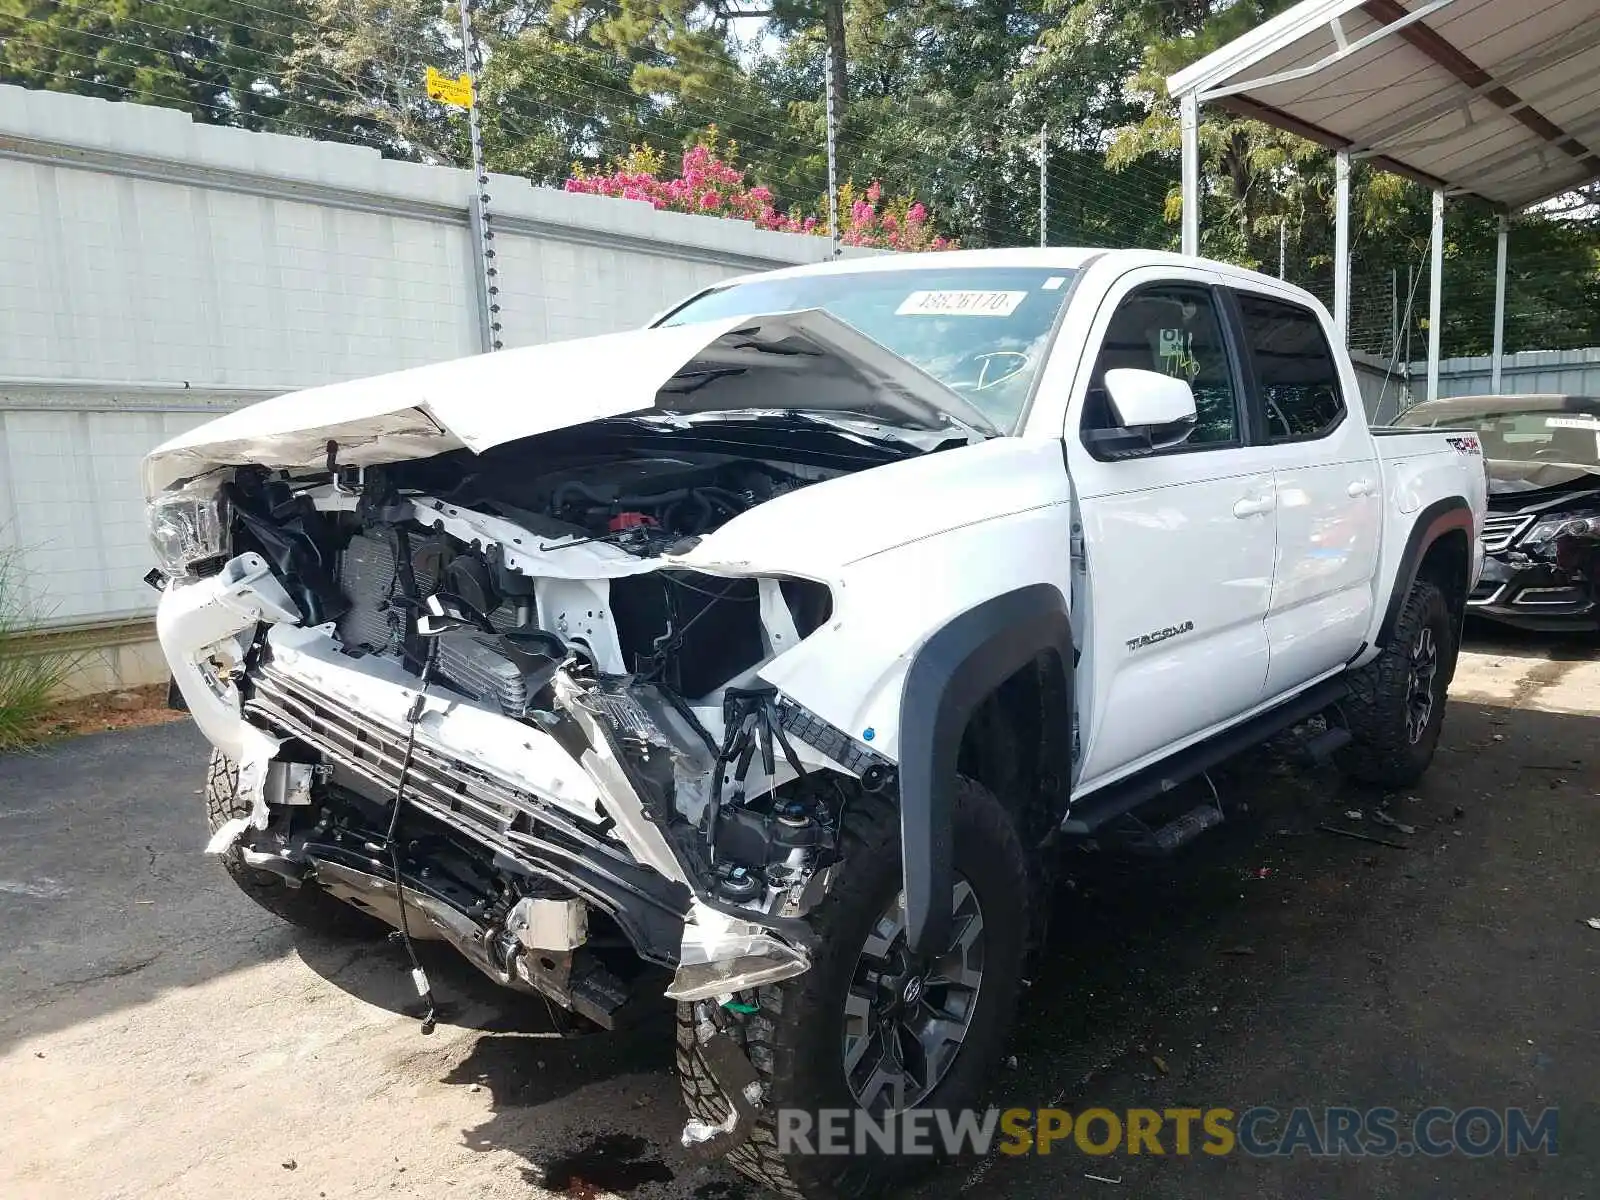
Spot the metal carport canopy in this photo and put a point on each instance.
(1489, 98)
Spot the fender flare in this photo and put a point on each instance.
(952, 673)
(1432, 523)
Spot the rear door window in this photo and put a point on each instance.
(1296, 373)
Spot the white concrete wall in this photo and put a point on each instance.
(153, 270)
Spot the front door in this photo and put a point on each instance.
(1179, 543)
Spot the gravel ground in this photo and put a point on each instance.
(162, 1037)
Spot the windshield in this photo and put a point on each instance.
(981, 331)
(1533, 437)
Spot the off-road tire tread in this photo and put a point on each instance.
(1380, 753)
(307, 907)
(871, 828)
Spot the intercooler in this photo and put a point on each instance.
(376, 622)
(369, 576)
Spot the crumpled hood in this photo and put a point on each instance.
(1509, 476)
(798, 360)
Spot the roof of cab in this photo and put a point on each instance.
(1064, 257)
(1043, 257)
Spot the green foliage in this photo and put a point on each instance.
(944, 102)
(27, 677)
(213, 58)
(360, 64)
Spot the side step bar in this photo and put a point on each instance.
(1098, 808)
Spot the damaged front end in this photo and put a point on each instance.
(1542, 544)
(597, 786)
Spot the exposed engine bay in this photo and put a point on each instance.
(644, 505)
(595, 780)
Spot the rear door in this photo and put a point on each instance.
(1328, 485)
(1179, 544)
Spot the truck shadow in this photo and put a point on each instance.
(1242, 968)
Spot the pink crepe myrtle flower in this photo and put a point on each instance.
(711, 185)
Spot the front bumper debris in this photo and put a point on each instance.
(565, 813)
(1538, 594)
(741, 1088)
(205, 628)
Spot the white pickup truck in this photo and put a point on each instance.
(762, 657)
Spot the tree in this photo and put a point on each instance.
(364, 62)
(552, 93)
(215, 59)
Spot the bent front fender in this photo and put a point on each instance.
(949, 677)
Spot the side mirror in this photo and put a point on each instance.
(1153, 412)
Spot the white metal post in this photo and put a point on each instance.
(1341, 245)
(1436, 296)
(1189, 125)
(1394, 311)
(1498, 361)
(1044, 186)
(831, 103)
(482, 224)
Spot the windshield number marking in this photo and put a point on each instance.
(960, 304)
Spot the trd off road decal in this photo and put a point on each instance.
(1465, 445)
(1160, 635)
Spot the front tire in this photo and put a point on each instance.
(1395, 710)
(853, 1004)
(306, 907)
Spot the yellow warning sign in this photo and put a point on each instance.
(457, 92)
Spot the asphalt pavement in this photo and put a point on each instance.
(162, 1037)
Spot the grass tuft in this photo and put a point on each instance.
(27, 677)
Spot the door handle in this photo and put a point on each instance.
(1255, 506)
(1361, 487)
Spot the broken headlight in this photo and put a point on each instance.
(187, 527)
(1564, 525)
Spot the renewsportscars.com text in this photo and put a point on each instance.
(1260, 1132)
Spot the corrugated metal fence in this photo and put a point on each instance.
(1387, 391)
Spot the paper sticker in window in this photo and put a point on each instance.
(1175, 347)
(960, 304)
(1572, 423)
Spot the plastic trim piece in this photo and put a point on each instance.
(1432, 523)
(952, 674)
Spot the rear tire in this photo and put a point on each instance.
(796, 1040)
(1395, 709)
(306, 907)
